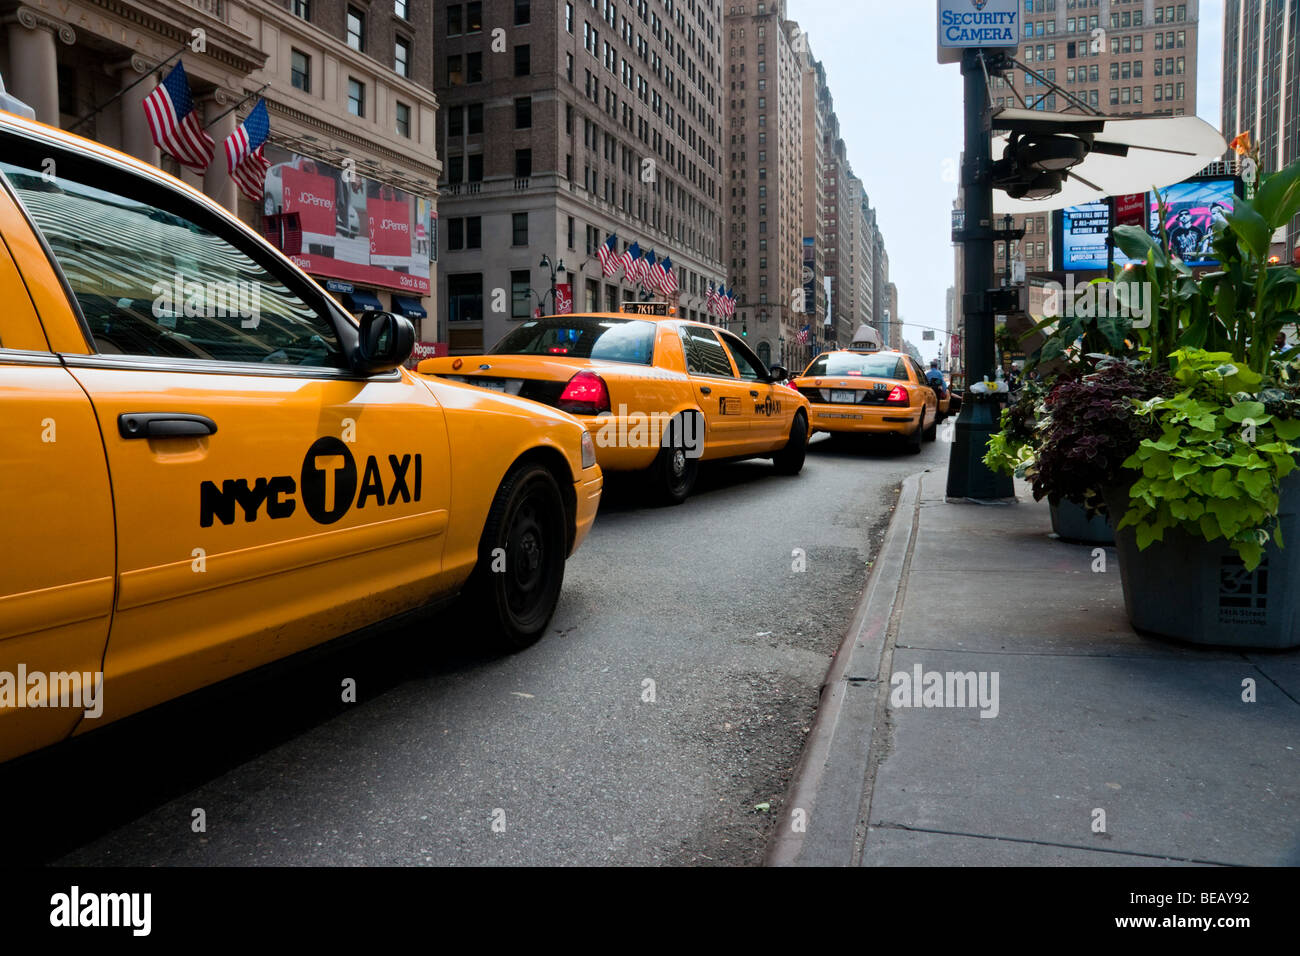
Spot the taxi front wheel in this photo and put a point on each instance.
(789, 460)
(516, 583)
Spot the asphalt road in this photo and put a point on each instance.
(670, 699)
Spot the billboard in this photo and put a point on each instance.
(352, 228)
(1192, 209)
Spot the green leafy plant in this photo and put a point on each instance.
(1224, 445)
(1011, 449)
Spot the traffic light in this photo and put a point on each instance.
(744, 329)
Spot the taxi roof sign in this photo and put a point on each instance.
(645, 308)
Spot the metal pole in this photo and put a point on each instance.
(968, 476)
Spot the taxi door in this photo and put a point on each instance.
(770, 416)
(56, 569)
(722, 396)
(267, 498)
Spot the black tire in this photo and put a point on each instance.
(913, 441)
(672, 476)
(528, 522)
(789, 460)
(931, 433)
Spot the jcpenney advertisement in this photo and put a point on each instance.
(353, 228)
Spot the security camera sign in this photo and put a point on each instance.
(988, 24)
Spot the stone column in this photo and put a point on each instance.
(136, 138)
(217, 184)
(33, 61)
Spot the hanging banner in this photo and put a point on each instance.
(563, 298)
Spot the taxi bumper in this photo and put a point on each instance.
(587, 490)
(865, 419)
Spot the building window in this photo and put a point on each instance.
(402, 56)
(522, 12)
(474, 68)
(475, 166)
(399, 8)
(300, 71)
(519, 229)
(523, 163)
(356, 97)
(465, 297)
(403, 120)
(568, 18)
(455, 25)
(455, 169)
(456, 121)
(356, 27)
(474, 119)
(302, 8)
(474, 18)
(520, 294)
(523, 112)
(523, 59)
(455, 71)
(571, 228)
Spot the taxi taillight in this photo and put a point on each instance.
(898, 396)
(585, 394)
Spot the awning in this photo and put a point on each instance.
(362, 301)
(408, 307)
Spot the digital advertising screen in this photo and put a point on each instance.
(1192, 210)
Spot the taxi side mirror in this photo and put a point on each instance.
(777, 373)
(386, 341)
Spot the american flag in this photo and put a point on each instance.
(659, 276)
(608, 255)
(629, 258)
(711, 299)
(803, 335)
(668, 284)
(244, 156)
(174, 122)
(730, 302)
(645, 268)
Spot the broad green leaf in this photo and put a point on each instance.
(1254, 231)
(1278, 198)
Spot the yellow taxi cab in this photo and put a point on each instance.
(855, 391)
(659, 394)
(191, 488)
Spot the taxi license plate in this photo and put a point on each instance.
(496, 384)
(844, 397)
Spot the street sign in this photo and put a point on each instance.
(977, 24)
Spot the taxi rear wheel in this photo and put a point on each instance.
(789, 460)
(673, 474)
(520, 568)
(913, 441)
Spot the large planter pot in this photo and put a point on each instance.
(1070, 522)
(1198, 591)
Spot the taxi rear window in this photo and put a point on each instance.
(867, 366)
(605, 339)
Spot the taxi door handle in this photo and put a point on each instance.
(705, 390)
(754, 393)
(164, 425)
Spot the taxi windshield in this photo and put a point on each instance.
(585, 337)
(872, 365)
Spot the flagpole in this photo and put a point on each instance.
(236, 106)
(118, 95)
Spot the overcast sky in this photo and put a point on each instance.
(900, 116)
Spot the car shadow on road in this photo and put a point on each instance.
(857, 447)
(626, 493)
(61, 798)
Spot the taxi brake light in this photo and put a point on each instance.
(585, 394)
(898, 396)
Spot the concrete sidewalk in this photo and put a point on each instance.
(1091, 718)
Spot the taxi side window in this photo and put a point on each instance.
(747, 363)
(150, 282)
(704, 353)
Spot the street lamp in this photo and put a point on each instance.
(557, 269)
